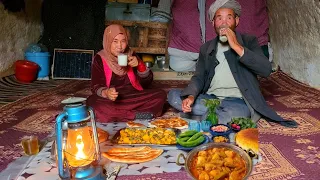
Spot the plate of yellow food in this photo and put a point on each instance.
(145, 136)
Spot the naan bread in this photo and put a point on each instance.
(175, 122)
(132, 155)
(129, 150)
(134, 124)
(102, 135)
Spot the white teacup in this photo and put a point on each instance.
(123, 59)
(223, 38)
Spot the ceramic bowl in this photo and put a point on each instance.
(224, 133)
(227, 138)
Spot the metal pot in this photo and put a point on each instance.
(161, 63)
(149, 64)
(191, 154)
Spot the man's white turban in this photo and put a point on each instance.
(230, 4)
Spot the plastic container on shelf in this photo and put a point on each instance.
(42, 59)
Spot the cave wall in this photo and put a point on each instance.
(295, 37)
(17, 30)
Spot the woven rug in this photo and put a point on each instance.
(35, 114)
(287, 153)
(11, 90)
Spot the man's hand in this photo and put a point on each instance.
(186, 104)
(232, 40)
(133, 61)
(110, 93)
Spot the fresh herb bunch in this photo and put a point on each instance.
(212, 104)
(244, 123)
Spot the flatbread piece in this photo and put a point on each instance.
(134, 124)
(132, 155)
(102, 135)
(174, 122)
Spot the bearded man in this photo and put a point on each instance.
(227, 69)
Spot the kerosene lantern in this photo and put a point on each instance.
(77, 142)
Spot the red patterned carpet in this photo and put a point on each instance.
(287, 153)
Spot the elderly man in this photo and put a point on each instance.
(227, 69)
(190, 29)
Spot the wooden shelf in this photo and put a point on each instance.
(149, 50)
(147, 37)
(138, 23)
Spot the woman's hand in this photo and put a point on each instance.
(110, 93)
(133, 61)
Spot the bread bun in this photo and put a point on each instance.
(248, 139)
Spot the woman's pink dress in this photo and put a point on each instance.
(129, 101)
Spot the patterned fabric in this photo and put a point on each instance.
(35, 114)
(290, 153)
(286, 153)
(11, 90)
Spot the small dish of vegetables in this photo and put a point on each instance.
(240, 123)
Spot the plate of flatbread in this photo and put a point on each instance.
(172, 122)
(133, 154)
(134, 124)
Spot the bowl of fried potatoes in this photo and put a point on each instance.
(217, 161)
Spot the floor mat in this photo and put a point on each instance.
(11, 89)
(286, 153)
(35, 114)
(289, 153)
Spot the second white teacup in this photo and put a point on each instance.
(123, 59)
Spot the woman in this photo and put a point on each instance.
(119, 92)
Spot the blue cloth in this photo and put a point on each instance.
(229, 107)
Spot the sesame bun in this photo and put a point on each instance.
(248, 139)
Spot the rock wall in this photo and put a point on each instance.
(295, 38)
(17, 30)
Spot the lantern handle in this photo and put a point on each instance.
(95, 133)
(63, 173)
